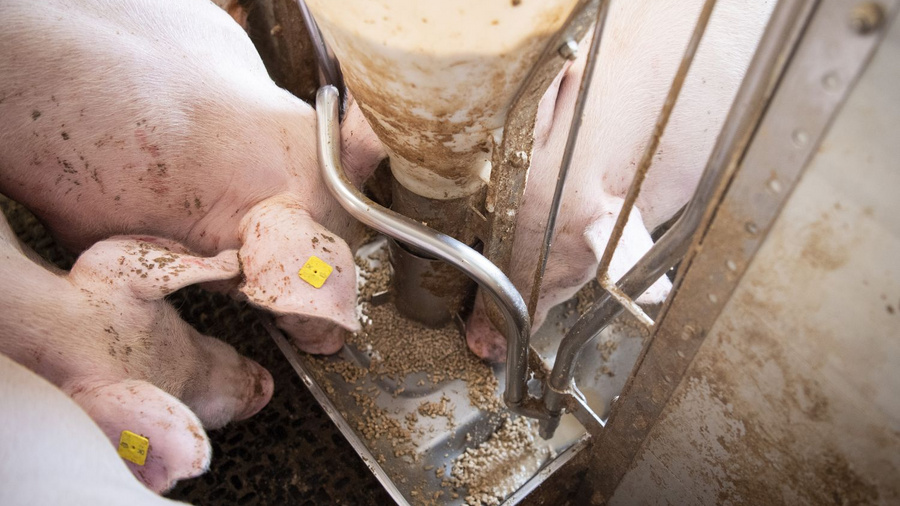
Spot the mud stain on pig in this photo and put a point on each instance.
(144, 145)
(35, 114)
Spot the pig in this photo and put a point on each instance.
(157, 117)
(239, 10)
(103, 334)
(53, 453)
(643, 43)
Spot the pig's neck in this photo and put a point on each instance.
(36, 308)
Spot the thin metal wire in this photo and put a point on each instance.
(658, 130)
(575, 127)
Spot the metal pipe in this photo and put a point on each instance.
(441, 246)
(647, 159)
(752, 97)
(574, 128)
(329, 68)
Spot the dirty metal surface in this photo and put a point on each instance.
(414, 468)
(511, 159)
(717, 429)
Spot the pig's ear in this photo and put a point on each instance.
(178, 446)
(150, 266)
(361, 149)
(634, 243)
(279, 241)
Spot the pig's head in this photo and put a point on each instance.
(279, 238)
(573, 262)
(178, 446)
(126, 279)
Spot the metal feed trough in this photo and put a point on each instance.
(805, 68)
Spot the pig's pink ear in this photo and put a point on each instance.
(279, 239)
(634, 243)
(150, 266)
(178, 446)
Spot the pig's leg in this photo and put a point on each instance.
(179, 447)
(279, 238)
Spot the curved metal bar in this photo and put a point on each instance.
(749, 104)
(442, 246)
(329, 68)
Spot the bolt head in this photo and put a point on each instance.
(866, 17)
(569, 49)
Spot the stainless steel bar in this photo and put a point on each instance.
(329, 68)
(441, 246)
(622, 298)
(752, 97)
(647, 159)
(574, 128)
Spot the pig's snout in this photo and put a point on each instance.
(232, 387)
(313, 335)
(259, 389)
(483, 338)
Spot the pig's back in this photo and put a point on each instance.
(128, 116)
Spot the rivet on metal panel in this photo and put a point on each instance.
(688, 333)
(680, 354)
(775, 186)
(731, 265)
(751, 227)
(866, 17)
(569, 49)
(713, 298)
(831, 81)
(667, 378)
(800, 137)
(519, 159)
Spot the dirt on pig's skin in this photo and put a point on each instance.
(288, 453)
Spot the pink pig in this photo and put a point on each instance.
(104, 335)
(157, 117)
(642, 46)
(53, 453)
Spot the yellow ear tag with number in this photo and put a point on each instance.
(133, 447)
(315, 271)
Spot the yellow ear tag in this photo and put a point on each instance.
(315, 271)
(133, 447)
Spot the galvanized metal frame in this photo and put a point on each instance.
(836, 46)
(761, 76)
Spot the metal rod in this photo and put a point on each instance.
(510, 160)
(328, 66)
(622, 298)
(441, 246)
(574, 128)
(746, 111)
(647, 159)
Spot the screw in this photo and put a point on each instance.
(519, 159)
(569, 49)
(866, 17)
